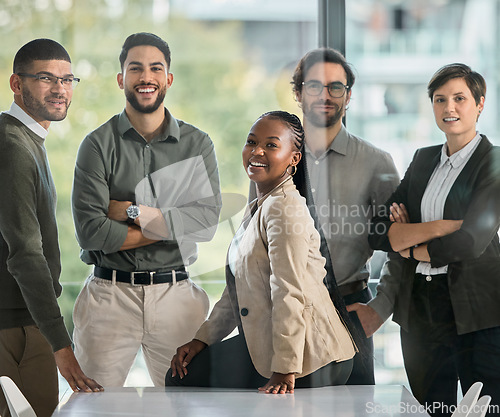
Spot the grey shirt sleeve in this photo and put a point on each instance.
(388, 286)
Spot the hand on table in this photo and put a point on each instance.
(71, 371)
(279, 384)
(184, 355)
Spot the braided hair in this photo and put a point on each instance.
(301, 180)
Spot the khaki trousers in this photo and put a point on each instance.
(114, 319)
(27, 358)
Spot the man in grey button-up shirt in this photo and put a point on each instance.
(146, 189)
(351, 180)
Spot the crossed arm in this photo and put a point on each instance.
(117, 210)
(403, 235)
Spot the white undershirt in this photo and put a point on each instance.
(27, 120)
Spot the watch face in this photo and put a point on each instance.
(133, 212)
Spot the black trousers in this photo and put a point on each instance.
(362, 369)
(227, 364)
(436, 357)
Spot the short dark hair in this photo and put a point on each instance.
(323, 55)
(144, 38)
(474, 80)
(38, 50)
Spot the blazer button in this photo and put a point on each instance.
(244, 312)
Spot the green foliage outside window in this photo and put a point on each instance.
(219, 86)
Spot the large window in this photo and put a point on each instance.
(232, 60)
(396, 46)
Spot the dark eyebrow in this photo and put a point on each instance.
(269, 137)
(141, 64)
(318, 81)
(53, 75)
(455, 94)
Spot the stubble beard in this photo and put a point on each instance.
(320, 120)
(38, 109)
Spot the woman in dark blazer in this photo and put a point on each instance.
(444, 218)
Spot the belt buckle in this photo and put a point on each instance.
(132, 278)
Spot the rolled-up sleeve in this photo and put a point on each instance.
(90, 201)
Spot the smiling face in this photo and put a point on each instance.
(268, 151)
(324, 110)
(44, 102)
(456, 111)
(145, 79)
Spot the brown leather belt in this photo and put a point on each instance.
(351, 288)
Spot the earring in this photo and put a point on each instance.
(294, 170)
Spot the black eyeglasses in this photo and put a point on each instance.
(335, 89)
(67, 82)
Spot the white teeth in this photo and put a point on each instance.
(450, 119)
(146, 90)
(257, 164)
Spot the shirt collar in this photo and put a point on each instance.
(460, 157)
(17, 112)
(172, 130)
(339, 144)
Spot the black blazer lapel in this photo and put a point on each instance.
(426, 161)
(459, 197)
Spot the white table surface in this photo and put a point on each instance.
(345, 401)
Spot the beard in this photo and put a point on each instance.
(320, 120)
(38, 109)
(132, 99)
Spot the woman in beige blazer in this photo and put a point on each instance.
(290, 334)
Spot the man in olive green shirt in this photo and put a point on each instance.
(146, 189)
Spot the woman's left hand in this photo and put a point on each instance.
(279, 384)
